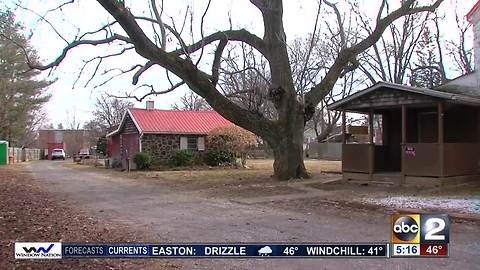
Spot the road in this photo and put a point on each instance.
(193, 217)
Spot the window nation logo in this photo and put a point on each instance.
(36, 250)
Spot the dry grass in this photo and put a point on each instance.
(314, 166)
(255, 180)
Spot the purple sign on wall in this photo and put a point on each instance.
(410, 151)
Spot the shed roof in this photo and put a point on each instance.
(173, 121)
(436, 94)
(473, 10)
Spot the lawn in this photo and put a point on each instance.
(256, 182)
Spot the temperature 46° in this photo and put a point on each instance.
(290, 251)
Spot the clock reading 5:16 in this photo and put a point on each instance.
(406, 249)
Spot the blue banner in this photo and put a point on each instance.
(223, 250)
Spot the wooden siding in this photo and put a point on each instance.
(129, 145)
(129, 126)
(387, 98)
(461, 159)
(423, 159)
(356, 158)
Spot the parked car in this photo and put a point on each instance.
(58, 154)
(84, 153)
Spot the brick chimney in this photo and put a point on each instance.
(474, 18)
(150, 105)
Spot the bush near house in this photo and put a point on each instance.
(232, 139)
(181, 158)
(219, 157)
(142, 160)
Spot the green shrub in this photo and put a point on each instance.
(219, 157)
(142, 160)
(116, 163)
(181, 158)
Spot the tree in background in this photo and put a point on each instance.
(107, 115)
(180, 54)
(414, 51)
(428, 70)
(459, 49)
(102, 145)
(72, 121)
(191, 102)
(392, 57)
(21, 95)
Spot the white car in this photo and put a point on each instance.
(58, 154)
(84, 153)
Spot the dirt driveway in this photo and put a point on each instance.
(168, 213)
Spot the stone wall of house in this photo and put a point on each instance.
(160, 146)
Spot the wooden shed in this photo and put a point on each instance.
(426, 136)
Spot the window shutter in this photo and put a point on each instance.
(183, 143)
(201, 143)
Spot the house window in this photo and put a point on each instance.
(192, 143)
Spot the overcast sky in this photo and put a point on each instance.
(88, 15)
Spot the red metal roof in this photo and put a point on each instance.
(475, 7)
(177, 122)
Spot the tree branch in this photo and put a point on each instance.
(241, 35)
(158, 16)
(347, 55)
(217, 60)
(197, 80)
(74, 44)
(139, 73)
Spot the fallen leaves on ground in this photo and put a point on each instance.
(28, 213)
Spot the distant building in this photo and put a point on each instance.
(160, 132)
(72, 139)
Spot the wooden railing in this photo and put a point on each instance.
(433, 159)
(461, 159)
(357, 158)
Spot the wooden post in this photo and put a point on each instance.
(344, 136)
(441, 138)
(370, 126)
(371, 145)
(440, 122)
(404, 124)
(404, 142)
(344, 127)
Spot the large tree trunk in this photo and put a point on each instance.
(288, 148)
(288, 162)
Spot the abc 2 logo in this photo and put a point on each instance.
(420, 229)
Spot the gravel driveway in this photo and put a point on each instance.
(191, 216)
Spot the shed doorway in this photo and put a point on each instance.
(388, 155)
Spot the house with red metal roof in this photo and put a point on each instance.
(160, 132)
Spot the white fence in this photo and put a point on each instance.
(16, 155)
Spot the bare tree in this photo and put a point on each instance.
(191, 102)
(107, 115)
(325, 121)
(428, 71)
(245, 80)
(109, 111)
(34, 123)
(72, 121)
(415, 52)
(293, 106)
(391, 58)
(459, 49)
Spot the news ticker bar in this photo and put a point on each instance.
(370, 250)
